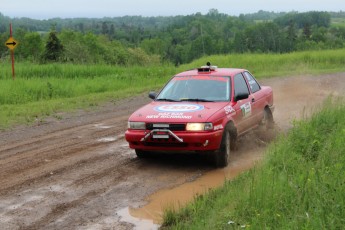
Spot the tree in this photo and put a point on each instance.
(112, 31)
(307, 31)
(263, 37)
(105, 29)
(54, 48)
(32, 46)
(291, 36)
(176, 39)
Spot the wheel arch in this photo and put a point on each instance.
(269, 111)
(231, 125)
(233, 133)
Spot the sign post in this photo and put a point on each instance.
(11, 43)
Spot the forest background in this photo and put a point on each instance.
(137, 40)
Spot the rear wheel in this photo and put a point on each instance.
(267, 121)
(222, 155)
(266, 130)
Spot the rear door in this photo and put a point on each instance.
(257, 98)
(243, 108)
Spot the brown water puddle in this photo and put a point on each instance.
(179, 196)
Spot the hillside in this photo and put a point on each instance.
(176, 39)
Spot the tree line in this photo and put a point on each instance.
(178, 39)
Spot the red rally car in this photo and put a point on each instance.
(201, 110)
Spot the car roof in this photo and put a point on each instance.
(215, 72)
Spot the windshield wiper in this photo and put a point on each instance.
(196, 99)
(165, 99)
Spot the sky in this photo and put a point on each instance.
(45, 9)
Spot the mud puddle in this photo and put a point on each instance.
(137, 222)
(150, 215)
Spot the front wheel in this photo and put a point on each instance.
(141, 153)
(221, 156)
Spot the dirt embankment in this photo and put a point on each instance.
(78, 172)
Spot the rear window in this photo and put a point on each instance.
(240, 85)
(254, 86)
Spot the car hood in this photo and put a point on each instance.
(177, 111)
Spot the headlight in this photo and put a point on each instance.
(199, 126)
(136, 125)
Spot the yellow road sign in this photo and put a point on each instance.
(11, 43)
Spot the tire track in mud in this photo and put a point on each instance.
(113, 175)
(56, 145)
(79, 181)
(17, 148)
(43, 161)
(53, 172)
(39, 171)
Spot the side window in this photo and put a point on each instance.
(254, 86)
(240, 85)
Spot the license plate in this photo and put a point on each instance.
(160, 136)
(160, 125)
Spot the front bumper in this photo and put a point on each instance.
(166, 140)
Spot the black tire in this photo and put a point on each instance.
(221, 156)
(141, 153)
(266, 130)
(267, 121)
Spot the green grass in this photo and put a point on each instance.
(336, 22)
(42, 90)
(273, 65)
(299, 185)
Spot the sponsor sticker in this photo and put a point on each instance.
(218, 127)
(169, 116)
(229, 109)
(179, 108)
(246, 109)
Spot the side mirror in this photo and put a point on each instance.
(152, 95)
(241, 96)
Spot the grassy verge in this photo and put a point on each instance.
(42, 90)
(273, 65)
(300, 185)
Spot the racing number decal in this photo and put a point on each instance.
(246, 109)
(229, 109)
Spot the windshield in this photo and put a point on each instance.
(196, 88)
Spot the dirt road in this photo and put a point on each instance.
(78, 172)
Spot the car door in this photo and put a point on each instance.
(257, 98)
(243, 107)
